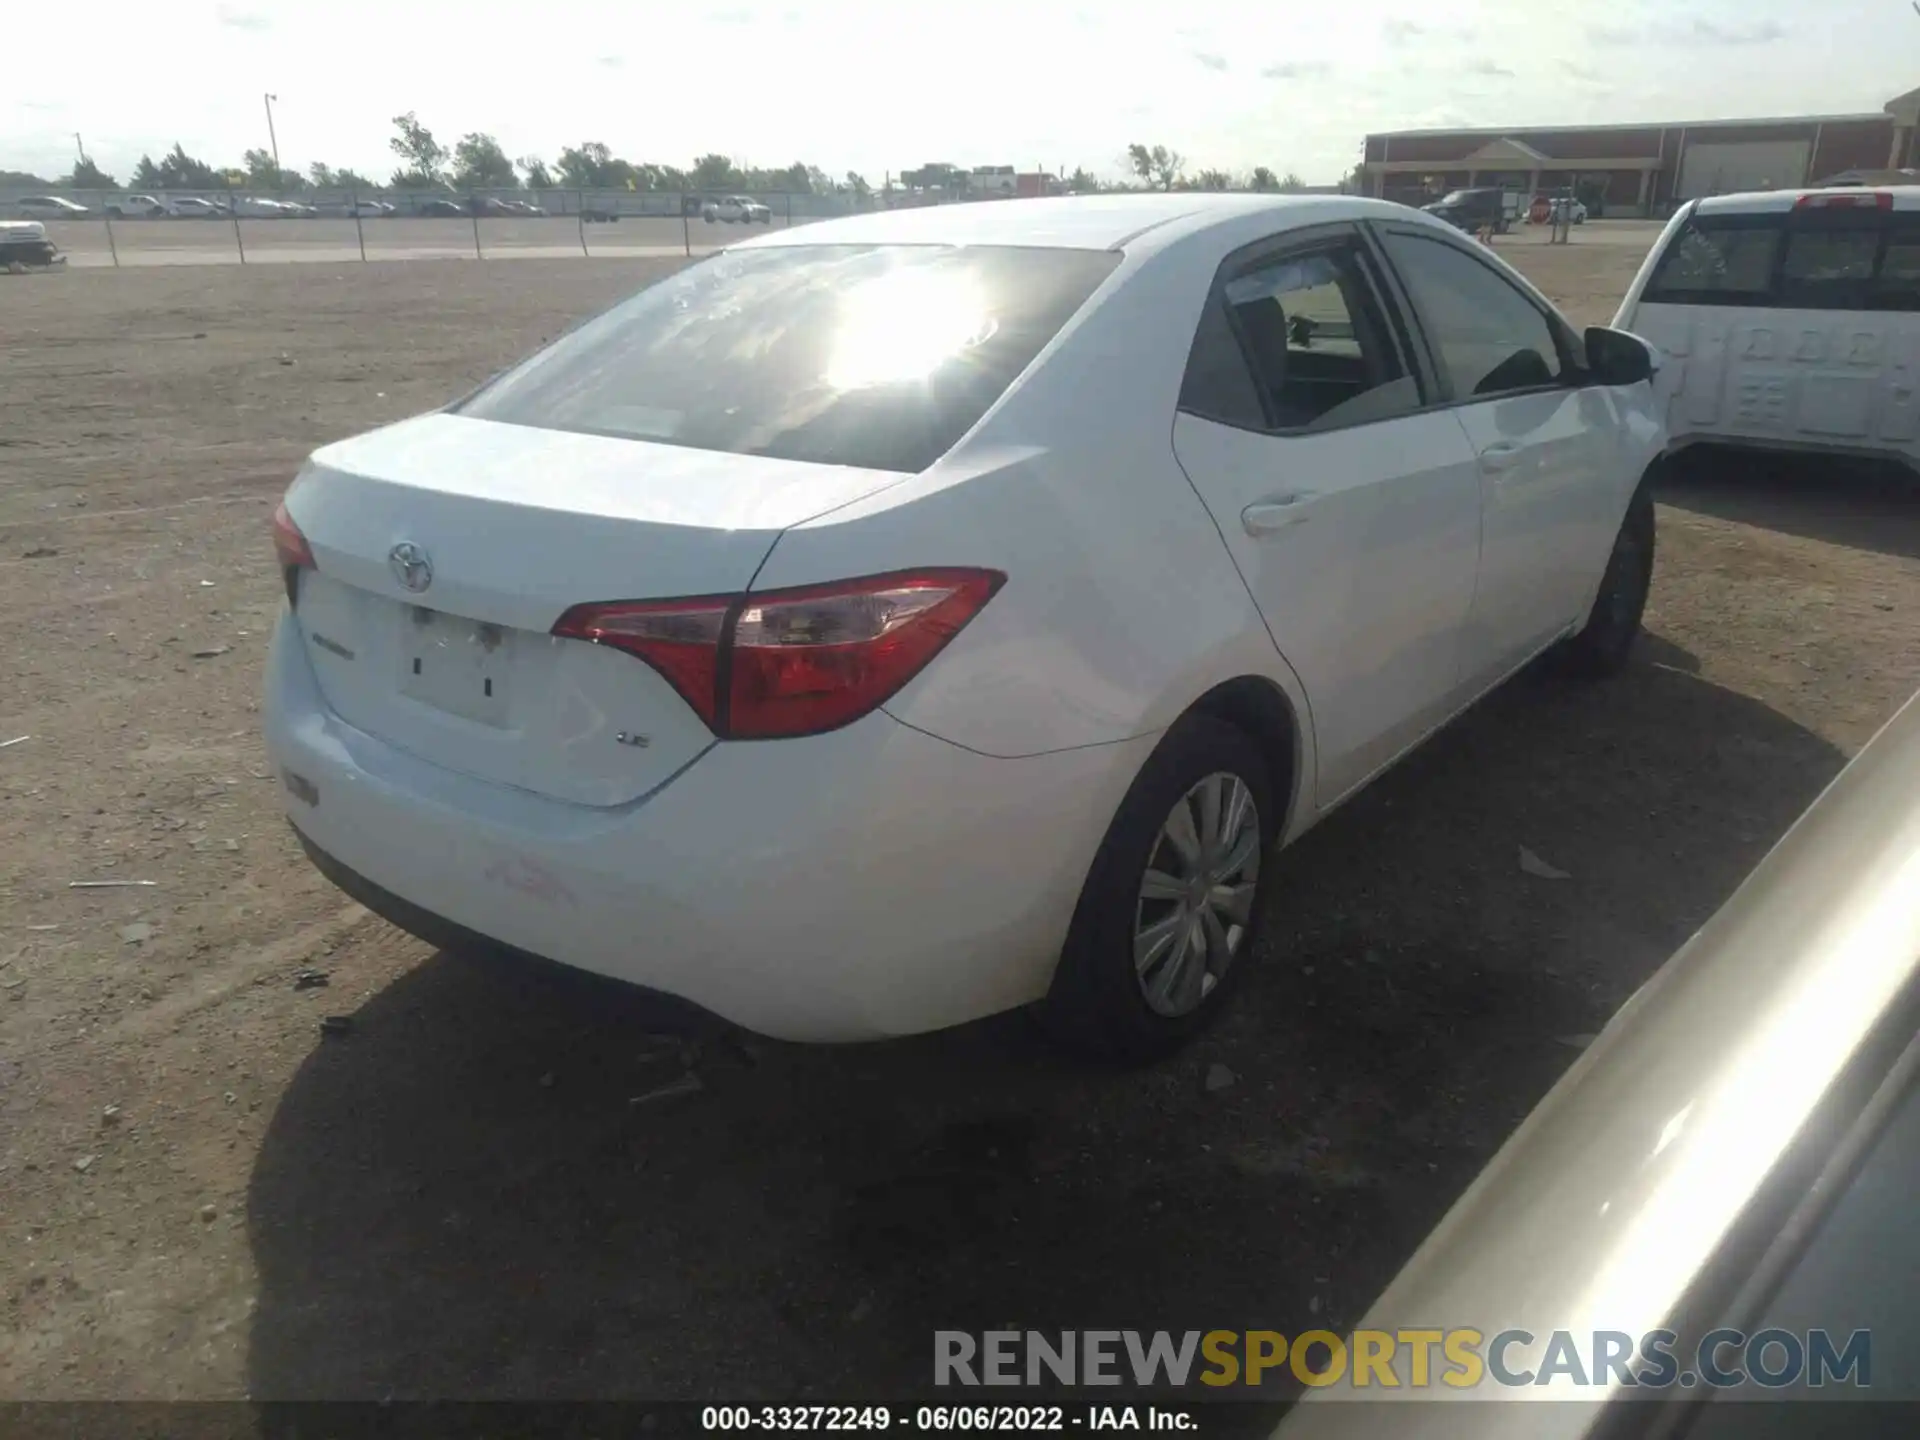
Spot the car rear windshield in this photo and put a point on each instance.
(1839, 259)
(880, 357)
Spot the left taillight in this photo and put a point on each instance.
(290, 548)
(782, 663)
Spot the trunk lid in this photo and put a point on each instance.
(447, 547)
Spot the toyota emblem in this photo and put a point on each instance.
(411, 566)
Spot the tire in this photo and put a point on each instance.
(1099, 1003)
(1603, 645)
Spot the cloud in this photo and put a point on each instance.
(612, 62)
(1398, 32)
(1693, 32)
(1297, 70)
(1211, 61)
(732, 17)
(234, 18)
(1579, 72)
(1487, 67)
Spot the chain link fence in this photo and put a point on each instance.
(197, 226)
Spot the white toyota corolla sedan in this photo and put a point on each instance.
(908, 617)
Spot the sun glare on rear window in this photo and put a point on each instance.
(873, 356)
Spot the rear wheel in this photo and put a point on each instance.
(1603, 645)
(1168, 914)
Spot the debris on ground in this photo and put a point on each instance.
(137, 933)
(1219, 1077)
(310, 979)
(861, 1310)
(211, 652)
(688, 1084)
(337, 1025)
(209, 1213)
(110, 1115)
(1532, 864)
(546, 1081)
(85, 1163)
(17, 740)
(39, 552)
(110, 884)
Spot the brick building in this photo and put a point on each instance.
(1645, 169)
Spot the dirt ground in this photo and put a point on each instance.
(203, 1196)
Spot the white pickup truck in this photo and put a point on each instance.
(736, 209)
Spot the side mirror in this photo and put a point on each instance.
(1616, 358)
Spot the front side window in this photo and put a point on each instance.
(1487, 336)
(876, 356)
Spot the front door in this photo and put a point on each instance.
(1543, 446)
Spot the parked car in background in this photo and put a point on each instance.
(440, 207)
(137, 207)
(263, 207)
(194, 208)
(1473, 210)
(1546, 209)
(485, 205)
(1015, 585)
(51, 207)
(368, 209)
(1735, 1155)
(1789, 317)
(736, 209)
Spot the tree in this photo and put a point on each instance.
(714, 172)
(1262, 179)
(1354, 182)
(857, 183)
(480, 164)
(26, 180)
(1157, 166)
(264, 174)
(1291, 184)
(325, 177)
(535, 169)
(592, 166)
(1082, 183)
(426, 167)
(1213, 180)
(89, 176)
(177, 170)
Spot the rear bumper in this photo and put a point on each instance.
(866, 883)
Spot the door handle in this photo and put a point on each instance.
(1267, 516)
(1501, 455)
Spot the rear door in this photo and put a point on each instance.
(1352, 513)
(1544, 445)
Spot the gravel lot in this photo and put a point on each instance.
(201, 1196)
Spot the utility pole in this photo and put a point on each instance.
(78, 148)
(274, 141)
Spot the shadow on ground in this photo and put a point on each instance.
(1862, 505)
(460, 1199)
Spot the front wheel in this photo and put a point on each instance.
(1168, 914)
(1604, 643)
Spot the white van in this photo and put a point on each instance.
(1788, 320)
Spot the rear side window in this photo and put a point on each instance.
(1719, 262)
(880, 357)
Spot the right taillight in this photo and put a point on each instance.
(290, 548)
(782, 663)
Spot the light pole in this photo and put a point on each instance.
(274, 141)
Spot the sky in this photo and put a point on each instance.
(879, 86)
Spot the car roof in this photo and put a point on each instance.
(1078, 222)
(1766, 202)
